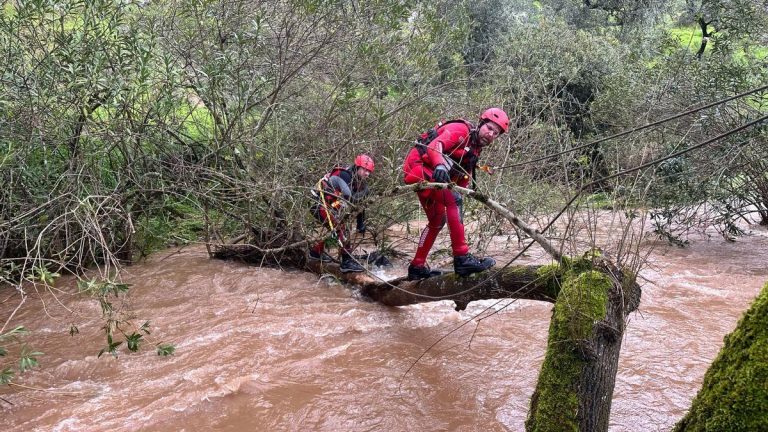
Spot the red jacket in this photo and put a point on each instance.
(455, 147)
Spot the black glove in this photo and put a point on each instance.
(441, 174)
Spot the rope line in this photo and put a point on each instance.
(627, 132)
(600, 180)
(651, 163)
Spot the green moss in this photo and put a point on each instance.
(734, 395)
(552, 275)
(549, 275)
(585, 263)
(628, 281)
(581, 302)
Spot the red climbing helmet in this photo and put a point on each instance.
(498, 116)
(364, 161)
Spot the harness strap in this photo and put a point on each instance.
(328, 215)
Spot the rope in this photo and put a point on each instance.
(627, 132)
(651, 163)
(595, 182)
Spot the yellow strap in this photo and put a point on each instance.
(327, 212)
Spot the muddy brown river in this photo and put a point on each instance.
(268, 350)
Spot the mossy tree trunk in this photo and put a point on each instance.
(592, 300)
(734, 395)
(577, 378)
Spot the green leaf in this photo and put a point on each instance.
(111, 347)
(145, 327)
(28, 359)
(165, 350)
(88, 286)
(18, 331)
(133, 341)
(6, 376)
(106, 307)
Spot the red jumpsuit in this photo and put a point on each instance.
(459, 154)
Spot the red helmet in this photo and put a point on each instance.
(498, 116)
(364, 161)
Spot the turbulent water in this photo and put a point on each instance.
(265, 349)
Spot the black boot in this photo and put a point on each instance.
(421, 272)
(465, 265)
(349, 264)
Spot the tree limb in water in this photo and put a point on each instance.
(525, 282)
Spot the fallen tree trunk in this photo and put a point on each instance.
(524, 282)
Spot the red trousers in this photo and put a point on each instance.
(440, 206)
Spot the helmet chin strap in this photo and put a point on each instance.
(474, 135)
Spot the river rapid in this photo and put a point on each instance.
(270, 350)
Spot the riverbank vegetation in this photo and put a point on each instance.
(131, 125)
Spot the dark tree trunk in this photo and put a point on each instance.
(512, 282)
(705, 34)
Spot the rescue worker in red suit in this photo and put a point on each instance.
(449, 153)
(340, 186)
